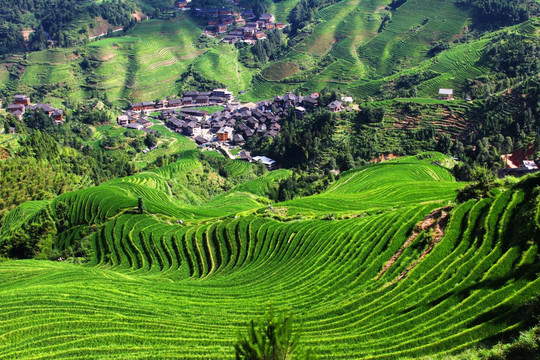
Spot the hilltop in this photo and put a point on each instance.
(375, 267)
(423, 47)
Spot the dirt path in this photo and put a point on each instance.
(437, 221)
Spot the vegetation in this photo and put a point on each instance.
(380, 250)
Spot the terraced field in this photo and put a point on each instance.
(373, 272)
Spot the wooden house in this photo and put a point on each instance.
(22, 99)
(446, 94)
(335, 106)
(221, 28)
(267, 18)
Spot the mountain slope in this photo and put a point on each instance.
(414, 279)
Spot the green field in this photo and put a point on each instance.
(382, 265)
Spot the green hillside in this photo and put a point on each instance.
(383, 264)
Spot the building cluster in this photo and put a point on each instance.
(21, 104)
(243, 27)
(236, 124)
(191, 98)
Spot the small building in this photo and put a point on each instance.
(58, 116)
(148, 105)
(346, 99)
(530, 165)
(269, 163)
(230, 39)
(16, 107)
(335, 106)
(267, 18)
(122, 120)
(311, 102)
(221, 28)
(144, 122)
(238, 139)
(21, 99)
(446, 94)
(279, 25)
(136, 106)
(174, 103)
(225, 133)
(181, 4)
(200, 140)
(300, 111)
(244, 155)
(202, 100)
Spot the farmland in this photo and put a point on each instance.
(374, 267)
(345, 48)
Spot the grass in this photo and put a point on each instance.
(158, 289)
(221, 64)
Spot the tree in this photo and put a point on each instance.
(150, 140)
(140, 205)
(271, 338)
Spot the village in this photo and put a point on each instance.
(21, 104)
(228, 128)
(238, 27)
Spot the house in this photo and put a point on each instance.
(269, 26)
(224, 93)
(134, 126)
(249, 133)
(300, 111)
(213, 22)
(279, 25)
(227, 20)
(21, 99)
(221, 28)
(230, 39)
(136, 107)
(225, 12)
(269, 163)
(225, 133)
(57, 116)
(175, 124)
(259, 35)
(16, 107)
(239, 21)
(251, 25)
(267, 18)
(530, 165)
(192, 128)
(191, 94)
(200, 140)
(46, 108)
(238, 139)
(346, 99)
(122, 120)
(335, 106)
(174, 103)
(244, 155)
(148, 105)
(248, 14)
(18, 114)
(310, 101)
(187, 100)
(180, 4)
(446, 94)
(271, 133)
(202, 100)
(144, 122)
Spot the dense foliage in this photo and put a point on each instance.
(54, 21)
(492, 13)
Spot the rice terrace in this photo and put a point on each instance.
(270, 180)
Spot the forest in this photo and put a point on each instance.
(55, 21)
